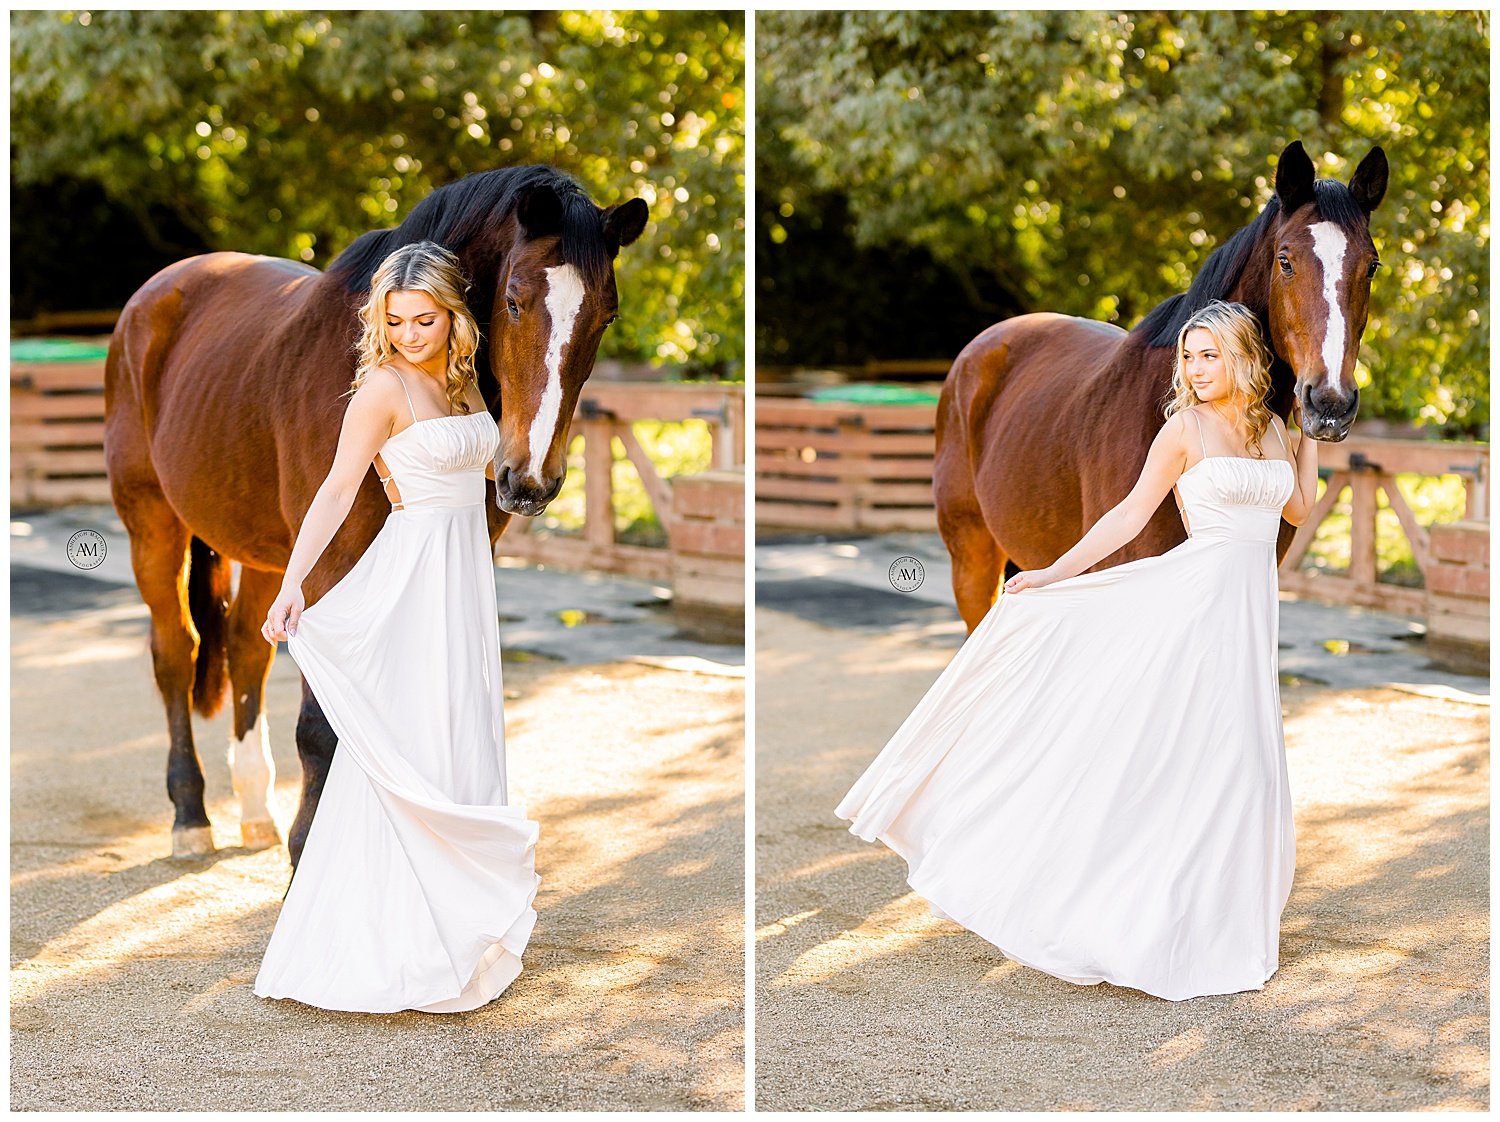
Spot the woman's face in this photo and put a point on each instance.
(417, 327)
(1204, 367)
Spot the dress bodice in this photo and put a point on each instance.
(440, 461)
(1236, 498)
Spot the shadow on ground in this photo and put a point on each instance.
(865, 1001)
(131, 972)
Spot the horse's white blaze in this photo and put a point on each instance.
(253, 772)
(564, 298)
(1329, 244)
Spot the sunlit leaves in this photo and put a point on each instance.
(1048, 146)
(290, 133)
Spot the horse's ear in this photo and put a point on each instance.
(1294, 177)
(624, 223)
(540, 211)
(1367, 185)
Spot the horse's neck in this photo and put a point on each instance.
(484, 260)
(1253, 286)
(1252, 289)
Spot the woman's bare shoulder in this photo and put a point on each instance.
(380, 395)
(1177, 423)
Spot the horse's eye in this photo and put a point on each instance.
(1285, 263)
(611, 319)
(1374, 268)
(513, 308)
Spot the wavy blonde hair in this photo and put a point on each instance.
(1237, 332)
(420, 267)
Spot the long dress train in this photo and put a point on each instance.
(415, 886)
(1097, 783)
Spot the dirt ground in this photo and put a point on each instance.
(131, 975)
(865, 1001)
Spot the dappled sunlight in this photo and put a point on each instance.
(169, 920)
(99, 651)
(862, 856)
(899, 926)
(783, 925)
(128, 746)
(632, 990)
(622, 963)
(1380, 999)
(1181, 1047)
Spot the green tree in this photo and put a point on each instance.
(1091, 161)
(291, 133)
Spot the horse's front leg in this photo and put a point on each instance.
(316, 742)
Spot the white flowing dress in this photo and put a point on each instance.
(415, 887)
(1097, 783)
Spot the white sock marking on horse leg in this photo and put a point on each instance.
(254, 773)
(1329, 243)
(564, 298)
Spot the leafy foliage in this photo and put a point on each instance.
(290, 133)
(1091, 161)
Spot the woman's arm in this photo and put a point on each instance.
(1305, 461)
(367, 425)
(1166, 460)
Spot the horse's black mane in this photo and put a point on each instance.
(456, 212)
(1221, 272)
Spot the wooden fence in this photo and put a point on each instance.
(57, 433)
(843, 468)
(57, 457)
(605, 411)
(863, 468)
(1366, 465)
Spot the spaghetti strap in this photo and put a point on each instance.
(1279, 436)
(384, 479)
(1201, 445)
(406, 391)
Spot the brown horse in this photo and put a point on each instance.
(1045, 420)
(224, 395)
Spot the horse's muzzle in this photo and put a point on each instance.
(527, 498)
(1328, 415)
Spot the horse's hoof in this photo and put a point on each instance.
(192, 841)
(262, 834)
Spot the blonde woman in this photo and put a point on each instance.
(1097, 782)
(415, 886)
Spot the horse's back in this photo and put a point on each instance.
(209, 277)
(188, 355)
(201, 303)
(1042, 358)
(1048, 335)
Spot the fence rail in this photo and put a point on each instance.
(852, 468)
(606, 411)
(846, 468)
(57, 457)
(57, 433)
